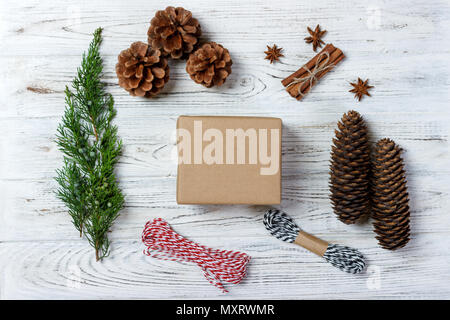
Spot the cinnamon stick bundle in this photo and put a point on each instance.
(300, 82)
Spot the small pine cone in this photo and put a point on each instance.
(141, 70)
(350, 168)
(174, 31)
(390, 208)
(209, 65)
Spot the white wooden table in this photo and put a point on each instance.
(401, 46)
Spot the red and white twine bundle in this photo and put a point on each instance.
(218, 265)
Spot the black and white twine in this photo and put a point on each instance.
(284, 228)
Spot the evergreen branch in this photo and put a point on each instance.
(91, 148)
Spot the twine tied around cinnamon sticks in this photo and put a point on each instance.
(300, 82)
(312, 74)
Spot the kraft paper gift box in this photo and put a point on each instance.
(229, 160)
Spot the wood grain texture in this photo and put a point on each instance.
(401, 46)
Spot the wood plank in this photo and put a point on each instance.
(67, 270)
(403, 50)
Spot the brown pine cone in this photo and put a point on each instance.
(390, 203)
(350, 168)
(174, 31)
(141, 70)
(209, 65)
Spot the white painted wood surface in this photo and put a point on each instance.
(401, 46)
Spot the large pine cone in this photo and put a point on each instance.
(209, 65)
(174, 32)
(141, 70)
(390, 209)
(350, 168)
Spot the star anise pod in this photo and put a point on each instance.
(273, 53)
(360, 89)
(316, 37)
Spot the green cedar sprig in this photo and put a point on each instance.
(91, 148)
